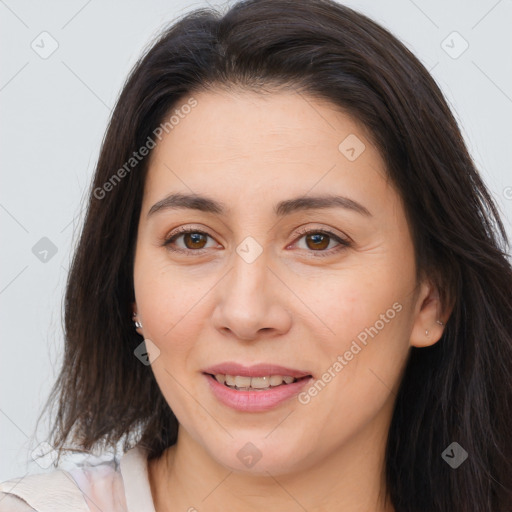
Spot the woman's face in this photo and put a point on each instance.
(249, 286)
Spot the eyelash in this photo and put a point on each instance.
(302, 232)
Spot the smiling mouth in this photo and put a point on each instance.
(243, 383)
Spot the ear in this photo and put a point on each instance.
(430, 319)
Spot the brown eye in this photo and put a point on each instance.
(317, 241)
(193, 241)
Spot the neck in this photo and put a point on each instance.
(351, 479)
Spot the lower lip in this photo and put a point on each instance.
(255, 401)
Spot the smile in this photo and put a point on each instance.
(252, 399)
(243, 383)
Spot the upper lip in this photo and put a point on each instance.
(258, 370)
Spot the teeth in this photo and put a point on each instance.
(245, 383)
(241, 382)
(230, 380)
(276, 380)
(260, 382)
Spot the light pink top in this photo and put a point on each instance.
(122, 487)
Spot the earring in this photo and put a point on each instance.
(138, 325)
(426, 332)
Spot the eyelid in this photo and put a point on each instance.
(304, 230)
(167, 239)
(343, 240)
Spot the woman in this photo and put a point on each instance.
(292, 290)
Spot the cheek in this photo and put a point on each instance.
(367, 311)
(161, 298)
(172, 303)
(348, 302)
(361, 363)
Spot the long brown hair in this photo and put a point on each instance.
(459, 389)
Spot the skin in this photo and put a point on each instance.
(251, 151)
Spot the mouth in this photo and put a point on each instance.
(255, 394)
(257, 377)
(259, 383)
(256, 388)
(253, 389)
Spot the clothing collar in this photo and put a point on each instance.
(134, 470)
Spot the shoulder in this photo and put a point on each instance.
(55, 490)
(75, 490)
(11, 503)
(116, 486)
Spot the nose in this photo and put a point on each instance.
(251, 301)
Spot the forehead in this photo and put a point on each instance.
(276, 125)
(246, 145)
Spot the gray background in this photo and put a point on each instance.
(54, 112)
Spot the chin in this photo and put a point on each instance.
(259, 456)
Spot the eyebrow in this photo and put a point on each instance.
(209, 205)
